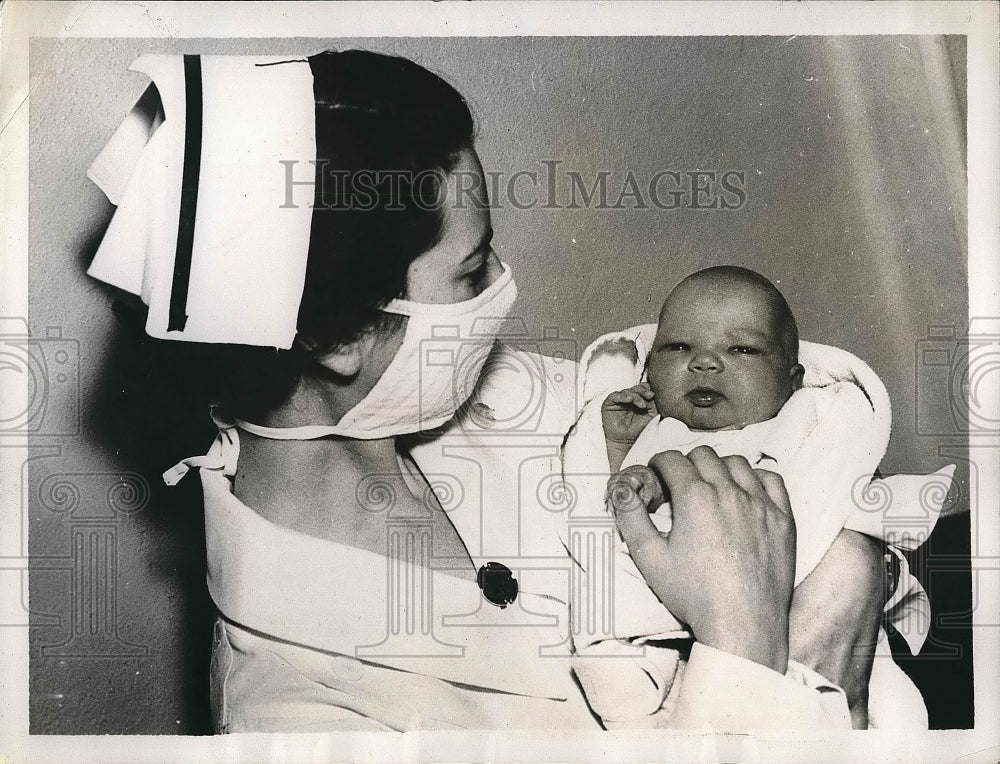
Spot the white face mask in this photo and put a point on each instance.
(433, 373)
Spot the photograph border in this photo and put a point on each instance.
(978, 21)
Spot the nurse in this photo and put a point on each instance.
(380, 547)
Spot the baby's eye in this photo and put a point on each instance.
(676, 346)
(744, 350)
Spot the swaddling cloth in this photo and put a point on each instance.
(801, 444)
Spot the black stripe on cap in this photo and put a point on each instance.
(189, 194)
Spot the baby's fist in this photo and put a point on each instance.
(626, 413)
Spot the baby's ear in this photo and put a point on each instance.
(796, 373)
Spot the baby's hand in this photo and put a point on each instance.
(635, 484)
(626, 413)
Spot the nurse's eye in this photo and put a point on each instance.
(744, 350)
(478, 275)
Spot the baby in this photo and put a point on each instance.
(723, 371)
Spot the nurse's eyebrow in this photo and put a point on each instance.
(482, 246)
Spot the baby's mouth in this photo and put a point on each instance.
(704, 397)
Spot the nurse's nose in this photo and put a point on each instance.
(705, 361)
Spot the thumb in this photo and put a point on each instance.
(631, 517)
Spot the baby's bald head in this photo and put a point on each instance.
(730, 278)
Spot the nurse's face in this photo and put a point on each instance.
(462, 264)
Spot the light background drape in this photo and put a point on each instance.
(853, 154)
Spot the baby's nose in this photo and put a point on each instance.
(705, 361)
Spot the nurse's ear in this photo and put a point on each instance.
(344, 360)
(364, 359)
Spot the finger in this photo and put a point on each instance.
(621, 495)
(635, 526)
(644, 390)
(774, 486)
(627, 479)
(651, 493)
(644, 480)
(675, 471)
(638, 484)
(621, 396)
(638, 401)
(741, 471)
(710, 466)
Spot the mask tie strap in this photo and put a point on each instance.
(306, 432)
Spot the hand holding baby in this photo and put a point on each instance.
(727, 565)
(722, 364)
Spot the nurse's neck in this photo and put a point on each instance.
(315, 401)
(327, 390)
(324, 401)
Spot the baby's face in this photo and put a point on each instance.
(717, 362)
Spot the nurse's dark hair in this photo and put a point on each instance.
(387, 130)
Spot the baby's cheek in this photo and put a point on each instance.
(766, 398)
(662, 399)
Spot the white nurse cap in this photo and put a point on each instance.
(207, 231)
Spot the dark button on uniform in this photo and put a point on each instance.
(497, 583)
